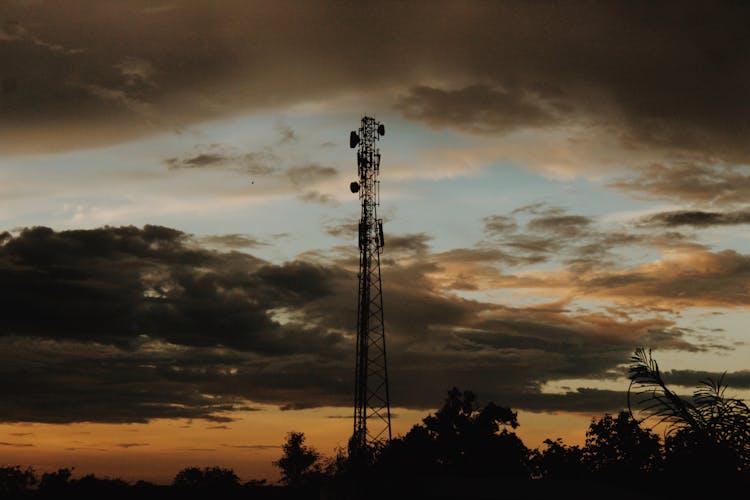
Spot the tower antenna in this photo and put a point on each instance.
(372, 407)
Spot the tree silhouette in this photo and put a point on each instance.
(475, 440)
(617, 447)
(461, 438)
(711, 433)
(414, 454)
(558, 461)
(209, 478)
(16, 482)
(88, 486)
(55, 483)
(299, 463)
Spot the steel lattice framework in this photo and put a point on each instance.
(372, 411)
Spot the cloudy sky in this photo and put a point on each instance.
(562, 182)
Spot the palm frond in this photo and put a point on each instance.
(711, 418)
(654, 399)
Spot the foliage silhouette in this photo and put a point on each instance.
(209, 478)
(711, 433)
(55, 483)
(16, 482)
(618, 448)
(90, 486)
(461, 438)
(299, 463)
(558, 461)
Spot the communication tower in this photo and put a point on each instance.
(372, 410)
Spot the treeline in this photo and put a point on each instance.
(468, 450)
(193, 482)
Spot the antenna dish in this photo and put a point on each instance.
(353, 139)
(354, 187)
(381, 129)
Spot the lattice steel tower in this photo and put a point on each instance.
(372, 410)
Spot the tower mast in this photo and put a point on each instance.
(372, 410)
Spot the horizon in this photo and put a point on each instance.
(178, 242)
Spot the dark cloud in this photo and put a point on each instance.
(495, 224)
(698, 218)
(701, 279)
(126, 324)
(308, 174)
(502, 353)
(149, 281)
(232, 241)
(215, 156)
(417, 243)
(466, 268)
(694, 182)
(539, 208)
(14, 31)
(569, 226)
(16, 445)
(479, 255)
(654, 75)
(343, 229)
(693, 378)
(539, 232)
(260, 163)
(130, 445)
(478, 108)
(9, 85)
(304, 179)
(77, 381)
(581, 400)
(317, 197)
(549, 232)
(201, 160)
(118, 324)
(252, 446)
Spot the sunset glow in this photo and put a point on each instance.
(178, 243)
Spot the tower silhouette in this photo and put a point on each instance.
(372, 410)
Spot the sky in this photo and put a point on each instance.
(561, 183)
